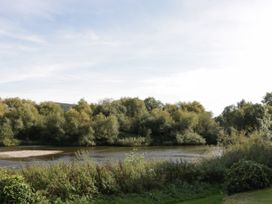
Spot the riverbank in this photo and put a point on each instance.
(136, 179)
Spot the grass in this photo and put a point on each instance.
(213, 199)
(254, 197)
(166, 196)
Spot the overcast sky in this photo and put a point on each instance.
(216, 52)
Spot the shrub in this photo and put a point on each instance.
(105, 180)
(190, 138)
(260, 152)
(132, 141)
(179, 171)
(13, 189)
(135, 175)
(63, 180)
(247, 175)
(212, 171)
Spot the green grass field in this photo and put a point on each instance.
(213, 199)
(255, 197)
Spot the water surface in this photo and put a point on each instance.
(109, 154)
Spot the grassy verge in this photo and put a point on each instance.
(170, 195)
(254, 197)
(212, 199)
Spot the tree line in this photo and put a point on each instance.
(129, 122)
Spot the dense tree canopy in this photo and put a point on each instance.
(128, 121)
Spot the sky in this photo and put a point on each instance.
(215, 52)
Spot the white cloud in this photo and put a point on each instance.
(21, 36)
(29, 8)
(217, 52)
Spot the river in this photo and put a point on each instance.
(106, 153)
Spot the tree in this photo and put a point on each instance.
(185, 120)
(190, 138)
(268, 99)
(135, 107)
(159, 125)
(6, 135)
(192, 107)
(106, 129)
(245, 116)
(207, 127)
(23, 116)
(83, 106)
(52, 123)
(151, 103)
(78, 127)
(3, 109)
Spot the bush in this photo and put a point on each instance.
(63, 180)
(260, 152)
(212, 171)
(131, 141)
(247, 175)
(105, 180)
(178, 172)
(135, 175)
(190, 138)
(13, 189)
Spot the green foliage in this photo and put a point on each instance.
(106, 122)
(134, 107)
(135, 175)
(63, 180)
(212, 170)
(14, 189)
(168, 194)
(6, 135)
(258, 151)
(106, 129)
(245, 116)
(185, 120)
(52, 123)
(190, 138)
(132, 141)
(207, 127)
(105, 180)
(158, 125)
(247, 175)
(267, 98)
(194, 106)
(179, 172)
(149, 121)
(78, 127)
(151, 103)
(84, 180)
